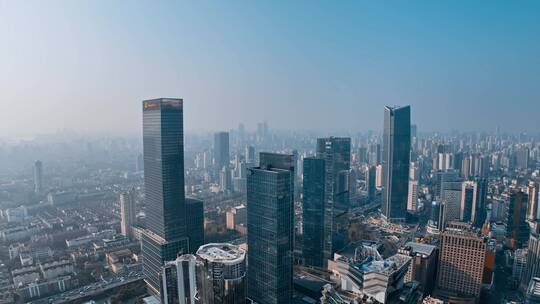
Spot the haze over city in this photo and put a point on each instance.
(462, 65)
(269, 152)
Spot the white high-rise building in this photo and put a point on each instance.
(127, 212)
(181, 280)
(412, 198)
(379, 177)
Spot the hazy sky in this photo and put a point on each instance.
(86, 65)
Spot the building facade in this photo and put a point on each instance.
(270, 214)
(221, 150)
(395, 162)
(461, 263)
(313, 212)
(127, 212)
(166, 236)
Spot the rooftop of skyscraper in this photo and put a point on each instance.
(221, 252)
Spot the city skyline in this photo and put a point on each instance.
(270, 152)
(245, 63)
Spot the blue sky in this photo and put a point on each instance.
(86, 65)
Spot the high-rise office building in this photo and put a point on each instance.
(446, 178)
(313, 212)
(336, 151)
(127, 212)
(517, 228)
(522, 158)
(379, 176)
(195, 223)
(374, 155)
(225, 179)
(221, 150)
(166, 235)
(395, 161)
(250, 156)
(461, 263)
(437, 221)
(532, 268)
(412, 197)
(451, 197)
(532, 208)
(181, 280)
(223, 274)
(466, 167)
(468, 201)
(532, 294)
(423, 267)
(480, 213)
(38, 176)
(270, 215)
(371, 174)
(414, 171)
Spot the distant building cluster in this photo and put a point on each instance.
(400, 216)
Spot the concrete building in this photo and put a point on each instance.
(363, 273)
(532, 190)
(412, 198)
(423, 266)
(127, 213)
(236, 216)
(461, 263)
(56, 269)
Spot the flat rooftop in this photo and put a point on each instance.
(221, 252)
(421, 248)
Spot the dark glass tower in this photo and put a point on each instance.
(313, 211)
(195, 223)
(163, 140)
(371, 173)
(336, 152)
(270, 214)
(221, 149)
(396, 155)
(517, 228)
(481, 202)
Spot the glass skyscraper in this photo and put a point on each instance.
(195, 223)
(221, 149)
(163, 140)
(396, 156)
(270, 215)
(313, 212)
(336, 152)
